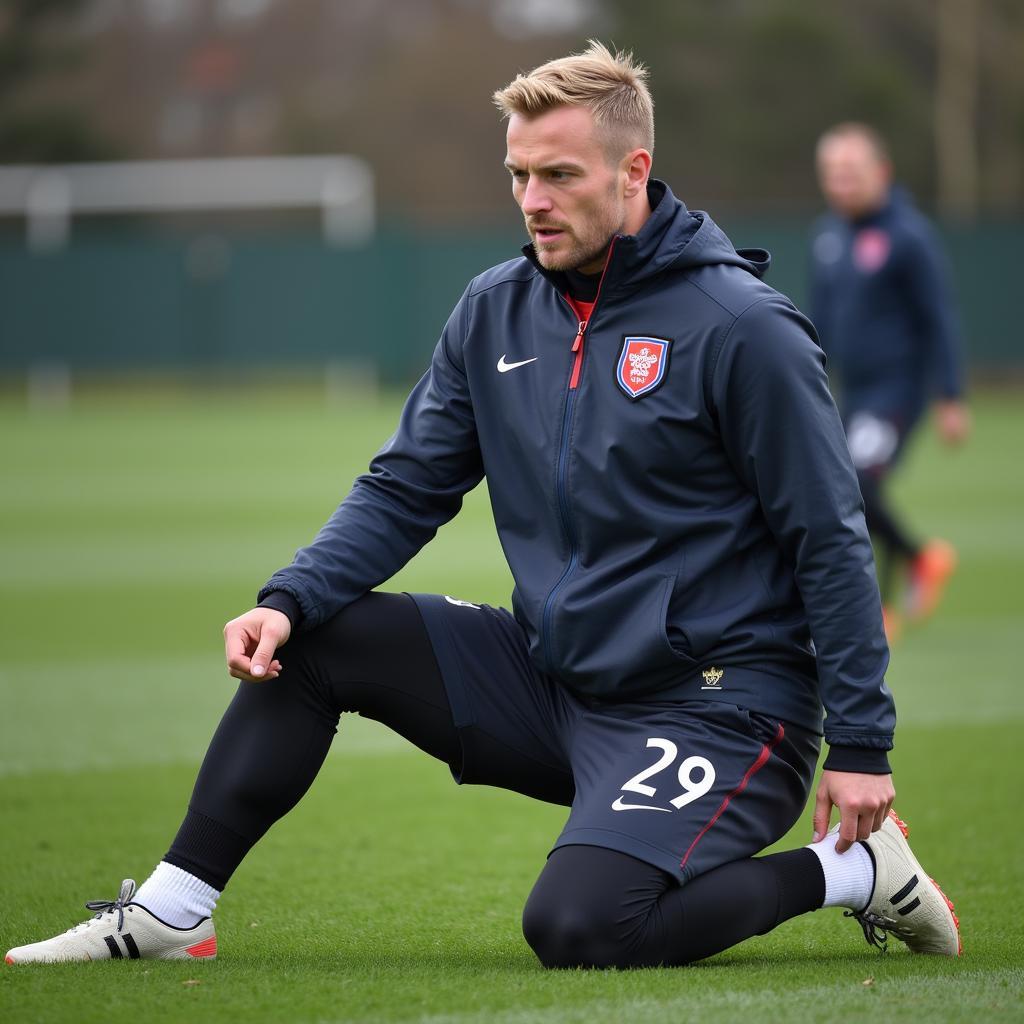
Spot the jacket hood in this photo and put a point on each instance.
(672, 238)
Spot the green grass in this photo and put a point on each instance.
(132, 528)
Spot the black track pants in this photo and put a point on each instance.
(895, 543)
(590, 906)
(373, 659)
(593, 907)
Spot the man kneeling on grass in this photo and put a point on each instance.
(674, 495)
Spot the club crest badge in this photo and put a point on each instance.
(642, 365)
(871, 249)
(712, 678)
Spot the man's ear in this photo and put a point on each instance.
(636, 169)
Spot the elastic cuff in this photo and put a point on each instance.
(800, 879)
(866, 760)
(282, 601)
(207, 849)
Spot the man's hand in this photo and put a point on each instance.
(250, 642)
(952, 421)
(863, 802)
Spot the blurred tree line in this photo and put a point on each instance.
(743, 88)
(35, 126)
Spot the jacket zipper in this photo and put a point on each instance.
(563, 466)
(577, 347)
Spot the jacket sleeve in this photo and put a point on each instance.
(415, 484)
(784, 437)
(930, 293)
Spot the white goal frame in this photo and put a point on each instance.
(50, 196)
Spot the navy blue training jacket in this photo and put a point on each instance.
(711, 525)
(883, 306)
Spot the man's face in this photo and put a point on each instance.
(853, 178)
(571, 195)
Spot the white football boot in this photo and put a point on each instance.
(905, 901)
(121, 930)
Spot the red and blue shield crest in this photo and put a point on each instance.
(642, 365)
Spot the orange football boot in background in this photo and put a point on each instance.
(929, 573)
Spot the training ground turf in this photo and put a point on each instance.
(132, 529)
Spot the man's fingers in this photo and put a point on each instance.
(251, 640)
(246, 676)
(822, 812)
(884, 812)
(863, 801)
(856, 827)
(236, 644)
(264, 654)
(848, 825)
(879, 819)
(865, 826)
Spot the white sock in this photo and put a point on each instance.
(849, 877)
(176, 897)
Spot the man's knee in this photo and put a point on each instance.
(589, 928)
(565, 934)
(593, 907)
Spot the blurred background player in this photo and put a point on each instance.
(881, 300)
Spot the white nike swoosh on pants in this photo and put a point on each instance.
(620, 806)
(504, 367)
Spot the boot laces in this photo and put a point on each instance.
(101, 907)
(875, 928)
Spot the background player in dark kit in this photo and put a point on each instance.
(672, 489)
(882, 305)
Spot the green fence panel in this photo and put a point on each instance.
(123, 298)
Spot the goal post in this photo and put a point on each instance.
(51, 196)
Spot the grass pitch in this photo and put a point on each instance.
(134, 527)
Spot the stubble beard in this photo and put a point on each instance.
(581, 252)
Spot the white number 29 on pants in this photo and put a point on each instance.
(692, 789)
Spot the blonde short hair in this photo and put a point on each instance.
(613, 87)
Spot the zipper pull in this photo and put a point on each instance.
(577, 347)
(579, 336)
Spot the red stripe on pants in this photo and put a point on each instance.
(762, 760)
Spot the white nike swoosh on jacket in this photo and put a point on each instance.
(504, 367)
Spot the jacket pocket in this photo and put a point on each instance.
(764, 728)
(680, 648)
(611, 638)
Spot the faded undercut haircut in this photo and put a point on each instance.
(612, 86)
(858, 129)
